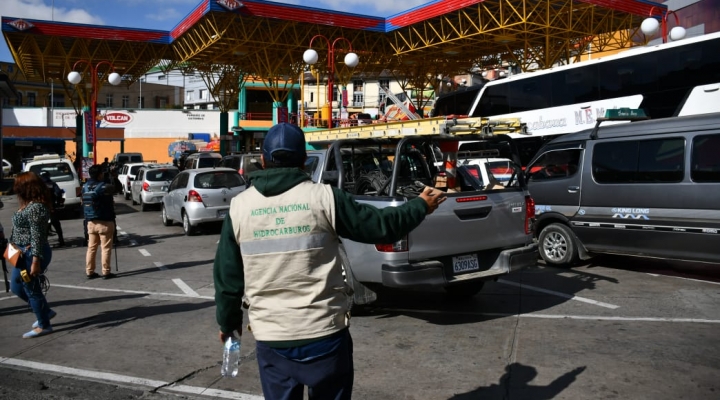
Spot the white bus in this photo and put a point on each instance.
(665, 80)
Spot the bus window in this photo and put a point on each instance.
(494, 101)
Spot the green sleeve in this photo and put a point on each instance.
(229, 280)
(368, 224)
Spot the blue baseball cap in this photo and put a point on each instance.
(286, 137)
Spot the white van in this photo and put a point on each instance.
(61, 172)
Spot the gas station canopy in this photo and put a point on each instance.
(266, 40)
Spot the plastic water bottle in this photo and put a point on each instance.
(231, 357)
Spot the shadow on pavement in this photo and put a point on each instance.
(496, 300)
(60, 303)
(684, 269)
(514, 384)
(177, 265)
(110, 319)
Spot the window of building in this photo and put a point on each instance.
(189, 95)
(705, 163)
(358, 100)
(312, 95)
(162, 102)
(555, 164)
(639, 161)
(357, 86)
(203, 94)
(126, 102)
(141, 101)
(161, 77)
(109, 100)
(31, 99)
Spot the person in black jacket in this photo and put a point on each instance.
(100, 217)
(57, 200)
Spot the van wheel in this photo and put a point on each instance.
(187, 228)
(464, 290)
(557, 245)
(166, 221)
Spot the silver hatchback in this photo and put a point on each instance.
(151, 184)
(198, 196)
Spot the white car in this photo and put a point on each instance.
(491, 171)
(126, 176)
(7, 167)
(62, 172)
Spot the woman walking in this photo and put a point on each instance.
(30, 235)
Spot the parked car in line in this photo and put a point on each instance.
(151, 184)
(7, 167)
(202, 160)
(645, 188)
(243, 163)
(198, 196)
(127, 174)
(62, 172)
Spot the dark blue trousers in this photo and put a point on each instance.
(329, 377)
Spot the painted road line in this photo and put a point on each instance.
(557, 316)
(160, 265)
(8, 297)
(144, 252)
(185, 288)
(687, 279)
(560, 294)
(125, 379)
(184, 295)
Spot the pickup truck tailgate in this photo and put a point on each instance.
(471, 222)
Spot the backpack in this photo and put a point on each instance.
(91, 200)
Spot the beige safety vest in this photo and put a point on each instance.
(293, 277)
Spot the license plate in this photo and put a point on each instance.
(221, 213)
(465, 263)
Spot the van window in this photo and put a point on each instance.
(136, 158)
(555, 164)
(59, 172)
(705, 161)
(639, 161)
(207, 162)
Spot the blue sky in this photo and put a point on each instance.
(162, 14)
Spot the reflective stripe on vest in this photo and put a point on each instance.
(253, 247)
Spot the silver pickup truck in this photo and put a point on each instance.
(483, 230)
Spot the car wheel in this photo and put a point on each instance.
(558, 245)
(166, 221)
(133, 199)
(127, 194)
(143, 206)
(187, 228)
(464, 290)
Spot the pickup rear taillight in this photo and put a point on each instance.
(529, 214)
(397, 247)
(146, 187)
(194, 196)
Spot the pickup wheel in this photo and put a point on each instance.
(464, 290)
(557, 245)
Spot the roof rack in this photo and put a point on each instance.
(618, 114)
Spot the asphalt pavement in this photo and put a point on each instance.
(614, 327)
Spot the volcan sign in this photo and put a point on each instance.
(117, 118)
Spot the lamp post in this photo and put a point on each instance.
(311, 57)
(651, 25)
(74, 77)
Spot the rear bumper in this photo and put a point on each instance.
(152, 197)
(432, 273)
(199, 214)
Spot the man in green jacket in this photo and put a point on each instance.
(279, 249)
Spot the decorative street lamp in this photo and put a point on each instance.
(311, 57)
(651, 25)
(75, 77)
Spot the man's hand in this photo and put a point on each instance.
(225, 336)
(433, 198)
